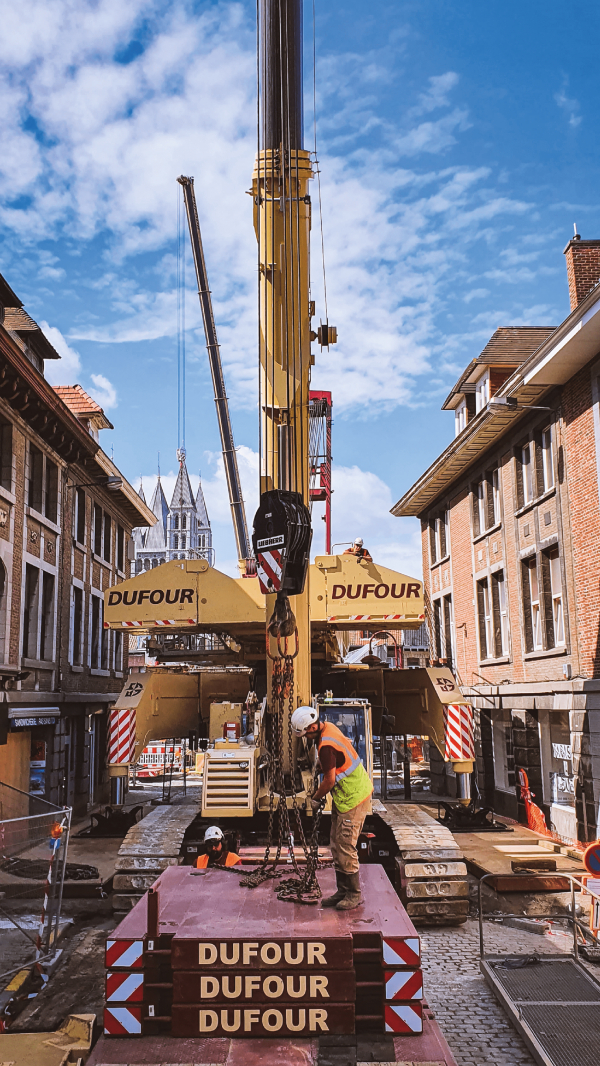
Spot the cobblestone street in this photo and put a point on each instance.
(474, 1024)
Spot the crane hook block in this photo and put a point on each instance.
(281, 539)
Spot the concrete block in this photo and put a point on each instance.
(135, 882)
(428, 889)
(438, 907)
(434, 869)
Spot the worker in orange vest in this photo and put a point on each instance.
(346, 778)
(358, 550)
(217, 853)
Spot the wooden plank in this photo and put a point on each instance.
(286, 1019)
(522, 883)
(239, 986)
(208, 955)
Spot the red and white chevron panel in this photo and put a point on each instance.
(269, 568)
(403, 1018)
(403, 984)
(125, 987)
(126, 954)
(156, 622)
(121, 745)
(458, 727)
(123, 1021)
(401, 952)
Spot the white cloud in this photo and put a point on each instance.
(568, 104)
(93, 145)
(67, 369)
(103, 392)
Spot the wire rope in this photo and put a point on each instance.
(317, 169)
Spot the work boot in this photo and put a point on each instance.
(332, 901)
(353, 897)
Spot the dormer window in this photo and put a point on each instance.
(460, 418)
(482, 392)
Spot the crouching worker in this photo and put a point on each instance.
(346, 778)
(217, 853)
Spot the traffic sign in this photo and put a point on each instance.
(591, 858)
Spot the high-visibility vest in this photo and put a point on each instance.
(231, 859)
(334, 738)
(352, 784)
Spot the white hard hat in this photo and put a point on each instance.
(213, 833)
(302, 718)
(359, 541)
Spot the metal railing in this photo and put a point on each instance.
(34, 837)
(571, 918)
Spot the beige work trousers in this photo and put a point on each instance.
(345, 831)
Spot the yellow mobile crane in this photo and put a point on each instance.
(301, 614)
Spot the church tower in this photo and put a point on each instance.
(189, 533)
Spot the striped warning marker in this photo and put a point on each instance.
(268, 568)
(403, 984)
(123, 1021)
(127, 954)
(127, 987)
(403, 1018)
(400, 952)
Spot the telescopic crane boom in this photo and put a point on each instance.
(238, 513)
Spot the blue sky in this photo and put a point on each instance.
(458, 145)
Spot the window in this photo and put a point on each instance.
(531, 606)
(184, 522)
(95, 632)
(183, 540)
(504, 758)
(547, 461)
(107, 538)
(30, 611)
(527, 473)
(481, 515)
(80, 516)
(51, 490)
(176, 521)
(484, 610)
(97, 530)
(175, 541)
(42, 486)
(438, 537)
(5, 454)
(460, 418)
(482, 392)
(77, 626)
(437, 628)
(120, 548)
(36, 473)
(558, 621)
(47, 620)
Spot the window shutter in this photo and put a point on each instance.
(489, 499)
(546, 597)
(442, 521)
(539, 468)
(519, 475)
(437, 625)
(527, 607)
(496, 616)
(447, 631)
(431, 539)
(484, 651)
(475, 509)
(471, 405)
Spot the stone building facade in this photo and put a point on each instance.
(66, 516)
(510, 517)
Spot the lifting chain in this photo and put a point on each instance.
(304, 887)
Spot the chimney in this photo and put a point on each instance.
(583, 268)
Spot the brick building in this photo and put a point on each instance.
(510, 517)
(66, 515)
